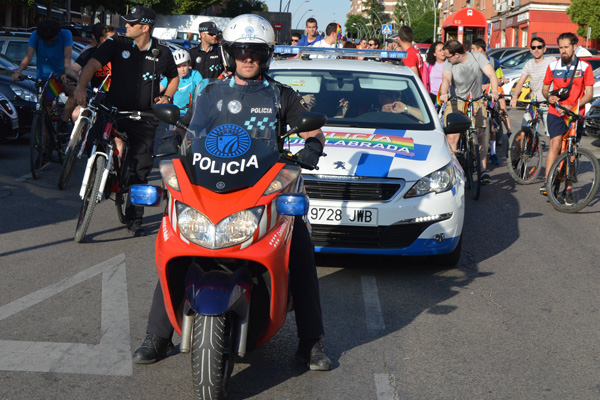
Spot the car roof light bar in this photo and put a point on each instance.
(333, 51)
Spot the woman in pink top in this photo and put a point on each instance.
(434, 60)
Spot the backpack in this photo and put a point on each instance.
(424, 71)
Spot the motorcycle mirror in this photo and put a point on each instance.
(168, 113)
(309, 121)
(457, 123)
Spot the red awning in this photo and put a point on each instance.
(465, 17)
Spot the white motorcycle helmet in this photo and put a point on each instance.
(248, 32)
(181, 56)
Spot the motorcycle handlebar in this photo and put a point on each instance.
(292, 158)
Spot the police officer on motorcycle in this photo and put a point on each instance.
(247, 50)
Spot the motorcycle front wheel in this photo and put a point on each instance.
(212, 356)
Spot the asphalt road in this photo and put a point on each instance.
(516, 319)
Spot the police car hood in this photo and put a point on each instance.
(381, 153)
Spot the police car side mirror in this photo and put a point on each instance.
(309, 121)
(168, 113)
(457, 123)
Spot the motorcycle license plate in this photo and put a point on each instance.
(343, 216)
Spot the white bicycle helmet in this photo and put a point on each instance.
(181, 56)
(248, 31)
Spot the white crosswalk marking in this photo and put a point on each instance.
(112, 356)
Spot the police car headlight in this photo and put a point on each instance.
(438, 181)
(233, 230)
(25, 94)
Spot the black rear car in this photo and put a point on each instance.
(21, 94)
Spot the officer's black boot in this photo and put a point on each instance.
(312, 353)
(152, 350)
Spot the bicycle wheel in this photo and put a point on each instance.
(525, 157)
(499, 129)
(473, 170)
(37, 145)
(71, 153)
(581, 172)
(121, 203)
(89, 198)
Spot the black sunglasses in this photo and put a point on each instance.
(294, 40)
(256, 54)
(132, 24)
(537, 47)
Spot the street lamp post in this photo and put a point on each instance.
(300, 19)
(379, 19)
(407, 13)
(434, 20)
(358, 29)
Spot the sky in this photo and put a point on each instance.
(324, 11)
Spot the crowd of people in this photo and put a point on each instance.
(144, 72)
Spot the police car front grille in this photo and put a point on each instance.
(357, 237)
(593, 125)
(358, 191)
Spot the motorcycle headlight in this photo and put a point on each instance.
(233, 230)
(438, 181)
(25, 94)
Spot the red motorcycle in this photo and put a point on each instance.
(224, 241)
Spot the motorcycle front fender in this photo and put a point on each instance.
(217, 292)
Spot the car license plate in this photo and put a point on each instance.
(15, 123)
(343, 216)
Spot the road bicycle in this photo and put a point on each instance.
(45, 138)
(468, 148)
(107, 168)
(525, 149)
(574, 176)
(79, 135)
(496, 121)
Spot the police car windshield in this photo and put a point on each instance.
(361, 99)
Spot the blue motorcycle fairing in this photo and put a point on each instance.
(216, 292)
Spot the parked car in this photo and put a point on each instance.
(21, 95)
(390, 183)
(503, 52)
(14, 46)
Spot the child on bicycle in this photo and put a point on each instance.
(189, 79)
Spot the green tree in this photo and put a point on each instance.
(359, 21)
(423, 27)
(585, 13)
(239, 7)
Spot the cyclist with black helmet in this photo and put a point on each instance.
(247, 49)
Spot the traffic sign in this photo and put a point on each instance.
(277, 26)
(386, 29)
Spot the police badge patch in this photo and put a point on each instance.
(125, 54)
(228, 141)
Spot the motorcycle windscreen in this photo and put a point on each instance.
(232, 137)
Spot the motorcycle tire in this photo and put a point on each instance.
(71, 154)
(212, 356)
(89, 199)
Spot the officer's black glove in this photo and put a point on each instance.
(313, 149)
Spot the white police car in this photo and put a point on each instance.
(389, 183)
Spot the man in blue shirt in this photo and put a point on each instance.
(53, 47)
(312, 35)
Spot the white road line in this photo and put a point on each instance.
(112, 356)
(373, 315)
(384, 387)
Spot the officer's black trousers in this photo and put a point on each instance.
(304, 286)
(141, 146)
